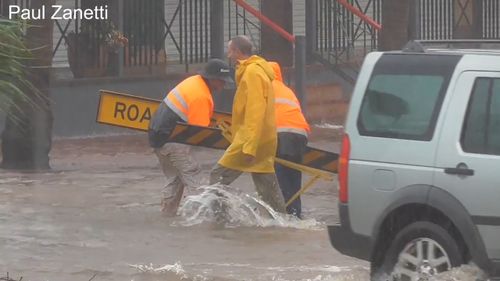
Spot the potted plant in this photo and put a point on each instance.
(89, 51)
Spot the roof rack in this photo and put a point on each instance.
(453, 45)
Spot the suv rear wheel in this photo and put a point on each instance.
(419, 251)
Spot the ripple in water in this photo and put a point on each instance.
(468, 272)
(330, 273)
(232, 208)
(463, 273)
(178, 272)
(171, 272)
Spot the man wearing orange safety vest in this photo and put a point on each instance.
(253, 126)
(189, 102)
(292, 129)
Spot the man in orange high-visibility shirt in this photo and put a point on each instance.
(293, 130)
(190, 102)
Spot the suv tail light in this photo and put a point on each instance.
(343, 168)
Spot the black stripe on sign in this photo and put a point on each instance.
(192, 131)
(183, 136)
(211, 140)
(320, 162)
(334, 156)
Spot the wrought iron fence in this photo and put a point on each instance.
(194, 31)
(158, 31)
(436, 19)
(240, 22)
(167, 31)
(61, 27)
(4, 6)
(342, 38)
(178, 31)
(187, 28)
(150, 27)
(491, 19)
(145, 28)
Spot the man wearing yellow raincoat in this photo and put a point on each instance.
(253, 129)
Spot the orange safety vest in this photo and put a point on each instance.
(289, 117)
(192, 101)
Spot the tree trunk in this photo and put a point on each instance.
(27, 138)
(395, 31)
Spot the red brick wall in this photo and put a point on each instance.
(326, 103)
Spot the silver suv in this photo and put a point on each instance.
(419, 170)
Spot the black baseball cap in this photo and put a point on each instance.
(217, 69)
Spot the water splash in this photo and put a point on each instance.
(319, 273)
(343, 277)
(168, 272)
(240, 272)
(233, 208)
(175, 268)
(466, 272)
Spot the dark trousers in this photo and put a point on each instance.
(290, 181)
(291, 148)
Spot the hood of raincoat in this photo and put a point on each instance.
(253, 126)
(277, 71)
(254, 61)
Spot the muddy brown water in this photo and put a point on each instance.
(96, 215)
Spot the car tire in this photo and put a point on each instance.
(410, 251)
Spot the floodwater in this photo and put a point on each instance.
(96, 217)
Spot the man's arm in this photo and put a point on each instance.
(161, 125)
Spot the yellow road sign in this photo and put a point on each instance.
(134, 112)
(126, 110)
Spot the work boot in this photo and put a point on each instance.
(170, 205)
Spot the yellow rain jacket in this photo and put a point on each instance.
(253, 126)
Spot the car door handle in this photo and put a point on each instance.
(461, 169)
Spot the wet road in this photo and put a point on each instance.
(96, 215)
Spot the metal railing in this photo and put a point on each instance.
(491, 19)
(145, 28)
(298, 41)
(436, 19)
(343, 39)
(439, 18)
(240, 22)
(62, 26)
(82, 44)
(187, 30)
(158, 32)
(4, 6)
(178, 31)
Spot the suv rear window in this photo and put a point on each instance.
(481, 131)
(404, 95)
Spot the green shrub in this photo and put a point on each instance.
(14, 58)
